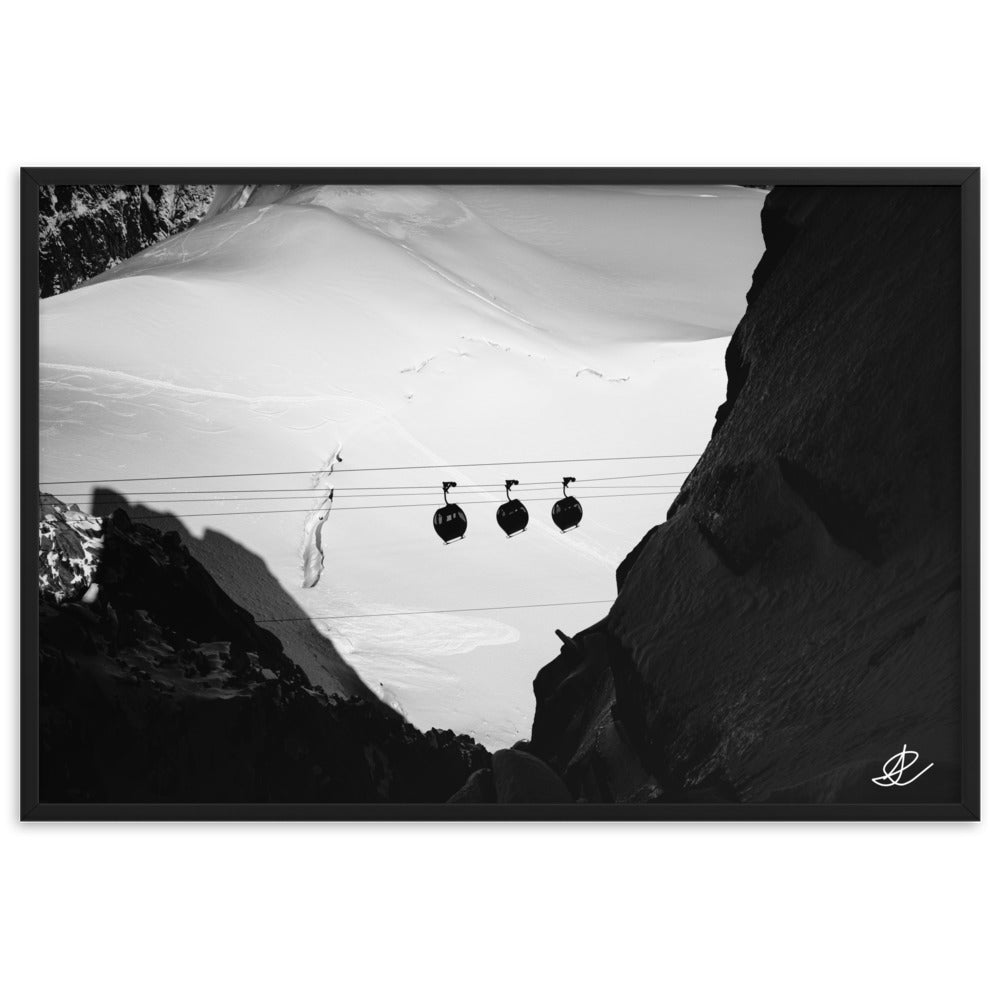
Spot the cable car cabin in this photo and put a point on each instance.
(567, 512)
(450, 521)
(512, 516)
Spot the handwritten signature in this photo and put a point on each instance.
(897, 765)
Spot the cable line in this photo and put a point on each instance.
(382, 468)
(351, 496)
(638, 475)
(391, 506)
(344, 490)
(441, 611)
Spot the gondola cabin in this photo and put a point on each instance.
(450, 521)
(568, 511)
(512, 516)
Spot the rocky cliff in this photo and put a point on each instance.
(156, 687)
(795, 619)
(84, 230)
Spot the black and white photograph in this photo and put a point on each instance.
(502, 499)
(546, 494)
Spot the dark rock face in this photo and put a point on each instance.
(796, 618)
(478, 788)
(84, 230)
(156, 687)
(516, 775)
(521, 777)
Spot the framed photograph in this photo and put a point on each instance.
(449, 494)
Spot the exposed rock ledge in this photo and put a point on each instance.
(796, 618)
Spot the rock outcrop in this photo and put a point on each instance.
(514, 776)
(84, 230)
(156, 687)
(795, 619)
(519, 776)
(69, 550)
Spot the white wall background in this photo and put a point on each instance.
(493, 911)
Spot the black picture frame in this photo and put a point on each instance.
(966, 178)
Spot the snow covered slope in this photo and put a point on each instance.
(407, 327)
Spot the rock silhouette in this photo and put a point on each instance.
(795, 620)
(162, 689)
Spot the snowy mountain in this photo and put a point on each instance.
(404, 329)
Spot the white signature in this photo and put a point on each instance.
(897, 765)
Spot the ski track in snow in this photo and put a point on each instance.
(470, 288)
(453, 279)
(176, 253)
(192, 390)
